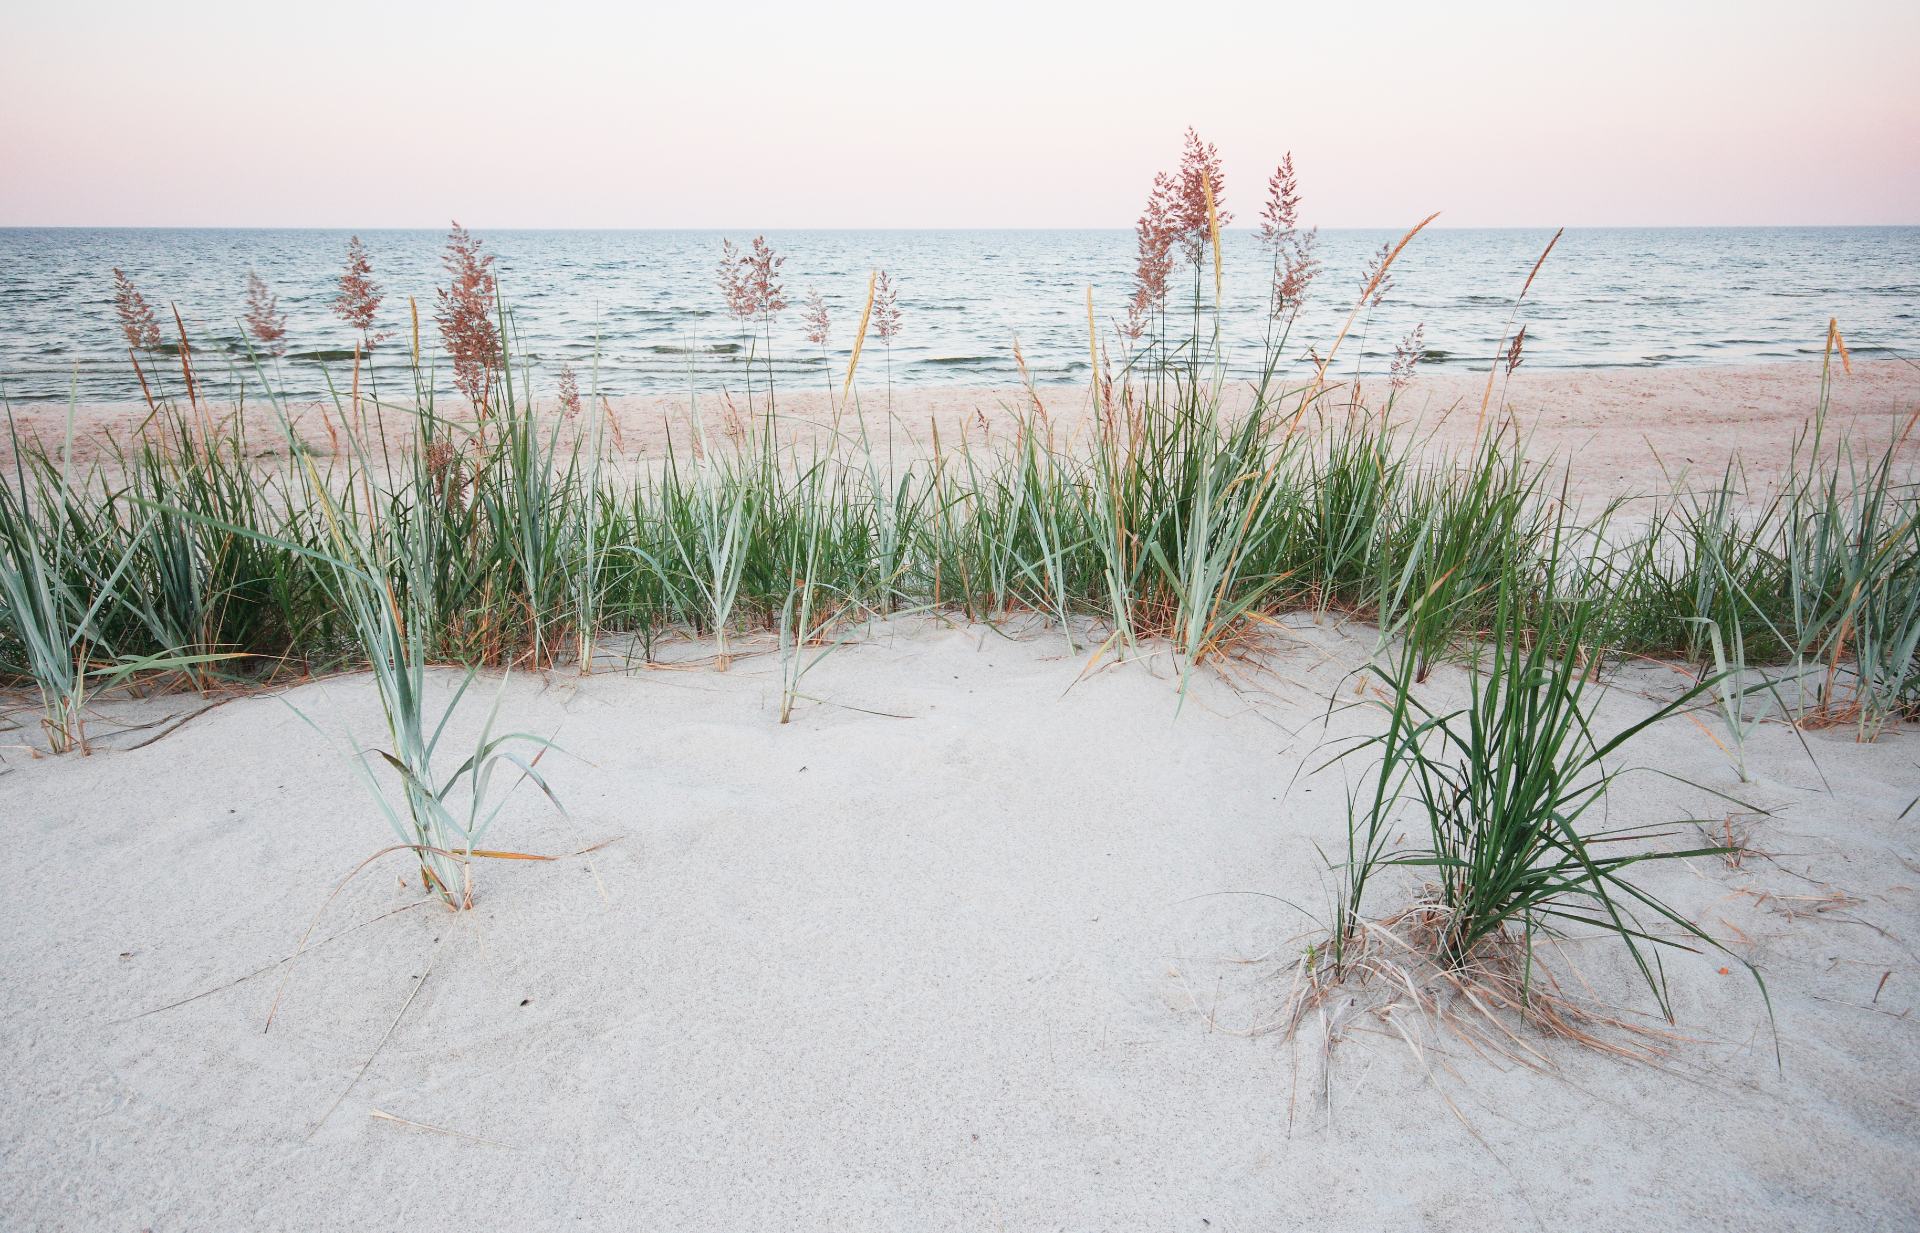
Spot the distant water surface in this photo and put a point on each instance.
(646, 305)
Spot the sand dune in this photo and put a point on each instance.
(967, 945)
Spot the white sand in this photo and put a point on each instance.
(971, 969)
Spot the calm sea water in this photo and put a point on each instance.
(645, 301)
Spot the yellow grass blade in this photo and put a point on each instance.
(384, 1116)
(1213, 227)
(496, 855)
(1534, 273)
(1699, 723)
(186, 355)
(1835, 342)
(859, 338)
(1093, 350)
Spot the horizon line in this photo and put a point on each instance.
(763, 227)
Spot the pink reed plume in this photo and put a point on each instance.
(359, 298)
(886, 307)
(1153, 239)
(762, 271)
(1407, 356)
(1514, 349)
(814, 315)
(465, 315)
(1199, 168)
(1294, 264)
(732, 278)
(137, 319)
(1377, 281)
(265, 321)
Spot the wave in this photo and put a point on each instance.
(324, 356)
(707, 349)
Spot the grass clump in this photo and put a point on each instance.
(67, 591)
(1506, 789)
(384, 576)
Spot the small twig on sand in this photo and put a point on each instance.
(384, 1116)
(366, 1065)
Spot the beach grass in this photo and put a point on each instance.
(1167, 520)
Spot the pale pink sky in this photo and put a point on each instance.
(578, 114)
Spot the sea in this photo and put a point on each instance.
(639, 312)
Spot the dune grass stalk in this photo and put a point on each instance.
(818, 327)
(1110, 507)
(710, 516)
(806, 632)
(1212, 539)
(886, 324)
(1051, 533)
(532, 504)
(1731, 692)
(586, 562)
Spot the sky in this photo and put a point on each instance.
(577, 113)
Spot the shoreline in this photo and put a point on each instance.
(1625, 431)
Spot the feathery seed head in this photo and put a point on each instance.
(137, 319)
(465, 315)
(265, 321)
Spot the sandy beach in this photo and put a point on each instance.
(1624, 431)
(972, 943)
